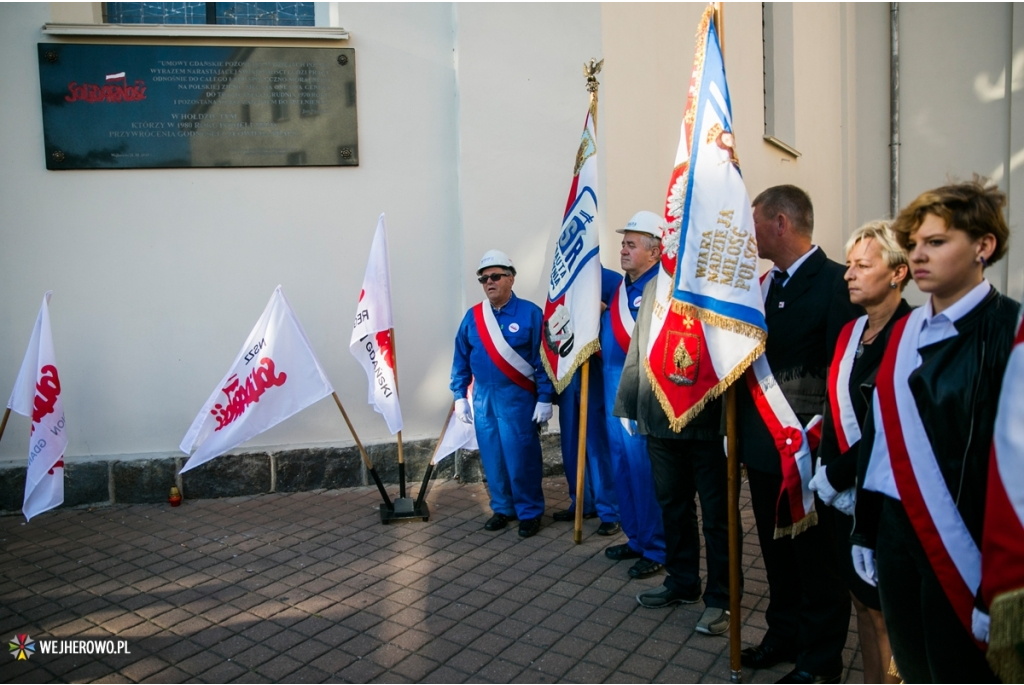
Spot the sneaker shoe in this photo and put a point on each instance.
(497, 522)
(659, 597)
(713, 621)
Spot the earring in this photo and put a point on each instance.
(984, 262)
(892, 284)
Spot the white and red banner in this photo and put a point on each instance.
(844, 418)
(708, 320)
(1002, 547)
(459, 435)
(371, 343)
(572, 313)
(511, 363)
(275, 375)
(37, 395)
(952, 552)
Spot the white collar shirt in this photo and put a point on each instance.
(935, 328)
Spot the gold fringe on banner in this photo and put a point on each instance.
(677, 423)
(800, 526)
(1006, 636)
(584, 354)
(724, 322)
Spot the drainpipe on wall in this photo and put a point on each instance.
(894, 109)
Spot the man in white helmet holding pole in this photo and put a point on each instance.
(497, 349)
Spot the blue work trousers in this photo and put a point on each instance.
(599, 487)
(509, 449)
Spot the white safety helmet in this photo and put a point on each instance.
(644, 222)
(495, 258)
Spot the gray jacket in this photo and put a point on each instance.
(636, 399)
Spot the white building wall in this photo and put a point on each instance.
(469, 120)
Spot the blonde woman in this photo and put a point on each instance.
(876, 273)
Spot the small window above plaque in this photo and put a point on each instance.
(266, 20)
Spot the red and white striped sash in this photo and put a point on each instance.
(518, 370)
(795, 444)
(953, 554)
(844, 418)
(622, 319)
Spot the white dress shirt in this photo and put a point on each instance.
(935, 328)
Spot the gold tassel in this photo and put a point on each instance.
(1006, 636)
(584, 354)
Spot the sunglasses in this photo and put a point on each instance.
(493, 278)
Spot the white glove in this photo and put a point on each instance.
(628, 425)
(542, 412)
(864, 564)
(463, 410)
(846, 501)
(979, 625)
(819, 484)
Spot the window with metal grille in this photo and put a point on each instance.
(226, 13)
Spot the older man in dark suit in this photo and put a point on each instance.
(806, 306)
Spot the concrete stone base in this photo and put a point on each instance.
(99, 483)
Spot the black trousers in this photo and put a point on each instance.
(929, 642)
(808, 605)
(683, 469)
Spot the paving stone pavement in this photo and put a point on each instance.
(311, 587)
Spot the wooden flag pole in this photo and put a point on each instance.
(591, 71)
(3, 424)
(363, 454)
(581, 452)
(430, 464)
(733, 466)
(401, 454)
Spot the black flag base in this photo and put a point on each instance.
(406, 508)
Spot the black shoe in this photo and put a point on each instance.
(608, 528)
(621, 552)
(497, 522)
(529, 527)
(570, 515)
(798, 676)
(644, 568)
(663, 597)
(764, 656)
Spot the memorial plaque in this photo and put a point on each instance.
(152, 106)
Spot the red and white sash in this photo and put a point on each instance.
(794, 443)
(622, 319)
(518, 370)
(953, 554)
(844, 418)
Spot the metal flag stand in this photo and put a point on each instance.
(403, 507)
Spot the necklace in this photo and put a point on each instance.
(867, 341)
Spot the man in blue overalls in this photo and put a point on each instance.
(599, 476)
(497, 348)
(634, 483)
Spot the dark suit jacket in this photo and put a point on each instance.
(801, 337)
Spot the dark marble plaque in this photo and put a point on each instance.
(149, 106)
